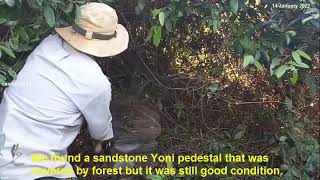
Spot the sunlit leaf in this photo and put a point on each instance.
(302, 65)
(280, 71)
(303, 54)
(155, 12)
(258, 65)
(248, 59)
(161, 18)
(296, 57)
(291, 33)
(157, 36)
(294, 76)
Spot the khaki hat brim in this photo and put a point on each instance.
(95, 47)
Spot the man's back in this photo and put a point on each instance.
(43, 110)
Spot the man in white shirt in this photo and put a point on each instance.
(59, 87)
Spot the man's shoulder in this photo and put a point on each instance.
(78, 68)
(86, 71)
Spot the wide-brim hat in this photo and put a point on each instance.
(96, 31)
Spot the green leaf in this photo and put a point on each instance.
(155, 12)
(281, 70)
(239, 135)
(303, 54)
(281, 49)
(288, 39)
(234, 5)
(274, 46)
(294, 77)
(168, 26)
(296, 57)
(0, 54)
(12, 73)
(291, 33)
(3, 79)
(161, 18)
(49, 16)
(69, 7)
(288, 103)
(7, 51)
(258, 65)
(150, 35)
(258, 55)
(157, 36)
(275, 62)
(248, 59)
(303, 65)
(248, 44)
(23, 34)
(266, 54)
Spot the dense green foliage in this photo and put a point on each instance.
(282, 44)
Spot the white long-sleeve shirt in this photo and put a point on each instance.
(43, 109)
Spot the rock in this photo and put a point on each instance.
(136, 125)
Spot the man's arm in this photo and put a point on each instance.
(98, 116)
